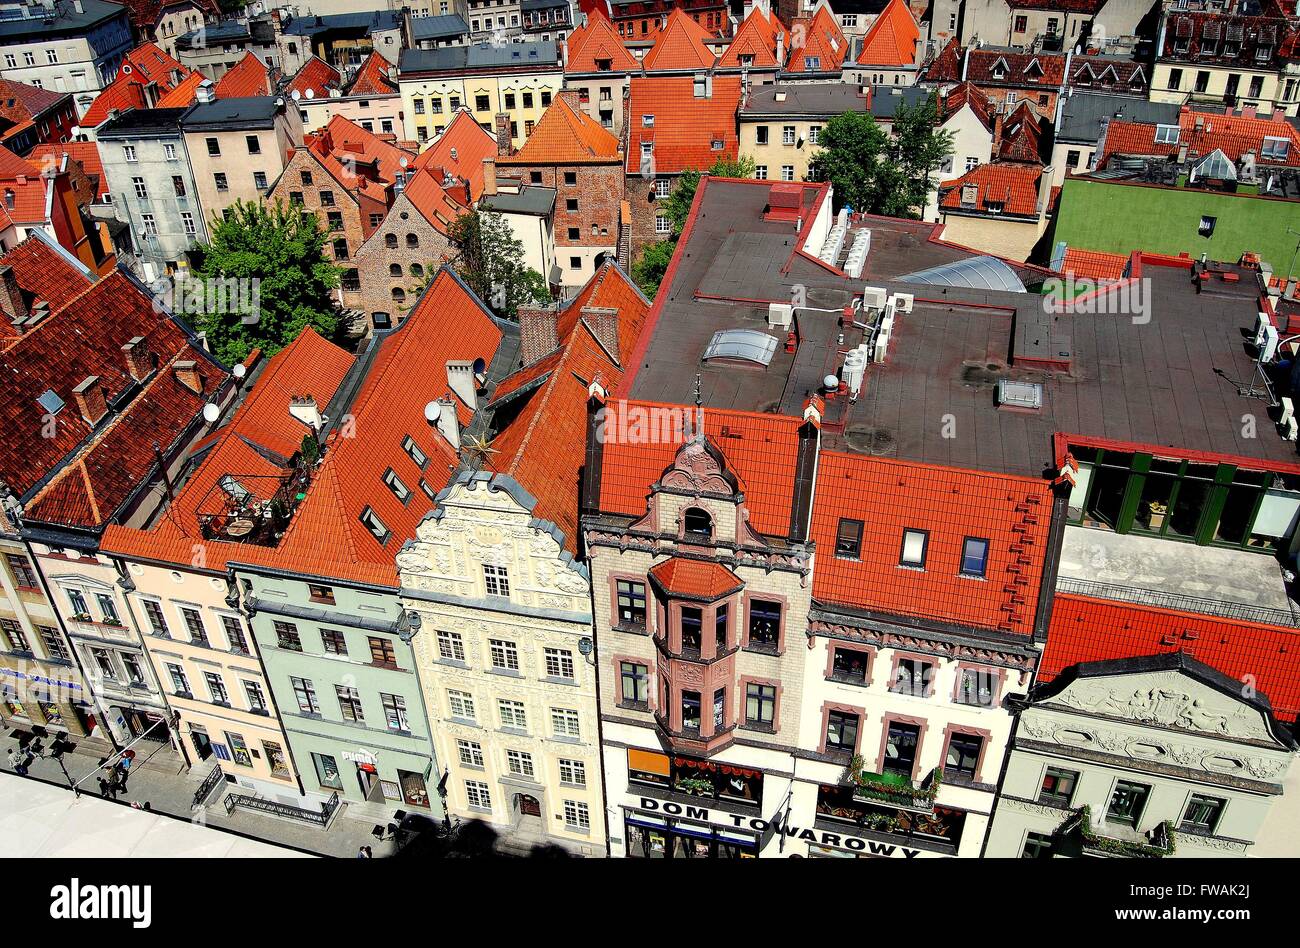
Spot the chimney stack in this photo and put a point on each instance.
(11, 295)
(603, 323)
(90, 400)
(1044, 190)
(538, 334)
(187, 373)
(448, 424)
(304, 408)
(138, 362)
(503, 133)
(489, 176)
(461, 381)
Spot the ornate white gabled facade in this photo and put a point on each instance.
(504, 658)
(1159, 755)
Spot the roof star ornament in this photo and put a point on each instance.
(477, 450)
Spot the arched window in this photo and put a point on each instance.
(399, 295)
(394, 269)
(412, 240)
(390, 241)
(417, 270)
(9, 199)
(698, 524)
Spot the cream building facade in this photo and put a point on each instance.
(1153, 756)
(504, 658)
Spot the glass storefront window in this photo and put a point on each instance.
(654, 838)
(414, 791)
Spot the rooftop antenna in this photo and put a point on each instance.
(699, 411)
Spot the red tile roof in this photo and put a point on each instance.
(756, 36)
(681, 45)
(1094, 264)
(260, 426)
(145, 14)
(818, 38)
(1012, 513)
(86, 154)
(248, 77)
(21, 103)
(184, 94)
(595, 42)
(543, 445)
(1202, 38)
(326, 536)
(695, 579)
(1087, 630)
(459, 151)
(44, 275)
(759, 449)
(566, 135)
(314, 80)
(684, 126)
(892, 39)
(996, 67)
(1202, 133)
(1015, 186)
(23, 179)
(967, 93)
(359, 160)
(146, 65)
(426, 194)
(96, 469)
(372, 77)
(1021, 136)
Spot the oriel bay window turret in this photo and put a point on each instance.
(1206, 502)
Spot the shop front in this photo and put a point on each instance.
(31, 696)
(363, 774)
(650, 836)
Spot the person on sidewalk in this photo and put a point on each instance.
(18, 762)
(365, 853)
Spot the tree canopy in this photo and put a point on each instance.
(650, 267)
(278, 253)
(677, 206)
(491, 262)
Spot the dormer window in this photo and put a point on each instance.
(812, 63)
(1167, 134)
(697, 525)
(647, 121)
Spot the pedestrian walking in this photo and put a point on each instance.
(18, 762)
(365, 853)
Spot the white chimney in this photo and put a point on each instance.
(460, 379)
(443, 415)
(303, 407)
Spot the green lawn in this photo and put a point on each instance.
(1121, 218)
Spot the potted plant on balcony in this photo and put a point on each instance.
(696, 786)
(1160, 839)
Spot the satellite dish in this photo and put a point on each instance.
(296, 95)
(211, 413)
(311, 93)
(240, 370)
(584, 645)
(830, 382)
(432, 412)
(402, 161)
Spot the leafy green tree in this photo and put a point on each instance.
(853, 150)
(920, 148)
(649, 269)
(490, 260)
(677, 207)
(280, 254)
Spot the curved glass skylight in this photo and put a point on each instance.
(748, 344)
(974, 273)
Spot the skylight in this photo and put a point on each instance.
(50, 402)
(746, 344)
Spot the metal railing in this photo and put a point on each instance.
(209, 783)
(285, 810)
(1168, 600)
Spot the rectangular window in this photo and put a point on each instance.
(692, 623)
(1167, 134)
(1037, 846)
(974, 556)
(327, 771)
(1202, 813)
(413, 451)
(848, 539)
(760, 705)
(787, 135)
(841, 732)
(254, 144)
(216, 688)
(350, 704)
(154, 614)
(564, 722)
(691, 711)
(214, 147)
(239, 750)
(234, 630)
(764, 623)
(382, 652)
(194, 625)
(134, 671)
(394, 712)
(219, 181)
(477, 793)
(915, 543)
(573, 772)
(54, 646)
(512, 713)
(374, 525)
(1127, 803)
(963, 755)
(900, 748)
(187, 221)
(631, 603)
(256, 698)
(394, 483)
(23, 573)
(286, 636)
(180, 685)
(461, 704)
(787, 172)
(520, 763)
(505, 655)
(128, 152)
(760, 172)
(451, 646)
(305, 692)
(333, 641)
(470, 753)
(977, 687)
(259, 180)
(559, 663)
(496, 580)
(849, 665)
(1058, 787)
(634, 681)
(576, 816)
(760, 135)
(13, 633)
(319, 593)
(662, 224)
(107, 609)
(913, 677)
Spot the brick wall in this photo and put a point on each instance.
(597, 194)
(640, 195)
(376, 257)
(290, 186)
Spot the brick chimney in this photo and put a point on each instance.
(603, 323)
(138, 361)
(997, 130)
(503, 133)
(11, 295)
(90, 400)
(187, 373)
(538, 335)
(489, 176)
(571, 96)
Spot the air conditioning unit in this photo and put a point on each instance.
(779, 315)
(1291, 429)
(1269, 347)
(903, 302)
(873, 297)
(1288, 410)
(1261, 324)
(882, 348)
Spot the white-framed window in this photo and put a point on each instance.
(461, 704)
(577, 816)
(520, 763)
(128, 152)
(256, 697)
(451, 646)
(662, 224)
(815, 135)
(496, 579)
(149, 224)
(512, 713)
(760, 172)
(476, 791)
(787, 172)
(216, 688)
(972, 163)
(187, 221)
(787, 135)
(394, 712)
(573, 772)
(505, 655)
(169, 151)
(1167, 134)
(564, 722)
(470, 752)
(662, 187)
(559, 663)
(1275, 147)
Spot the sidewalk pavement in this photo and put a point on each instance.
(159, 778)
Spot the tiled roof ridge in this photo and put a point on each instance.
(936, 468)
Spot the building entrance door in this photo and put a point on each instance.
(368, 779)
(528, 806)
